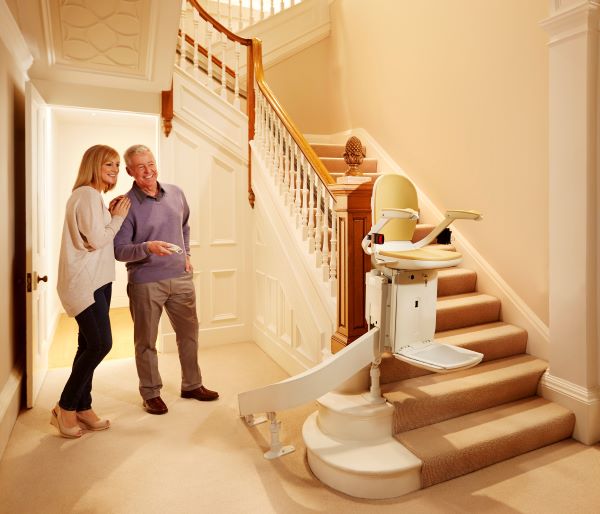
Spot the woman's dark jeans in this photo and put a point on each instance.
(94, 342)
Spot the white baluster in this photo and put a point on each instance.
(229, 25)
(223, 67)
(262, 10)
(269, 138)
(275, 156)
(209, 63)
(272, 10)
(241, 15)
(333, 259)
(196, 18)
(281, 6)
(325, 244)
(236, 91)
(288, 168)
(311, 209)
(318, 224)
(281, 153)
(182, 28)
(265, 118)
(304, 197)
(251, 14)
(298, 197)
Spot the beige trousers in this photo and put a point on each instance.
(146, 302)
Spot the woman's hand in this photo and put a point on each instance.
(119, 206)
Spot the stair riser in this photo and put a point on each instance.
(355, 428)
(332, 150)
(372, 487)
(450, 318)
(418, 412)
(452, 285)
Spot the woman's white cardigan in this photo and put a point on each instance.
(86, 259)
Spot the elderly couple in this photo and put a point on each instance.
(148, 229)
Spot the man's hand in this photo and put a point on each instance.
(188, 264)
(159, 248)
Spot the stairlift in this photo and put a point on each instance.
(401, 289)
(400, 309)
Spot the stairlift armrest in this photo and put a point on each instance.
(463, 215)
(386, 215)
(451, 215)
(407, 214)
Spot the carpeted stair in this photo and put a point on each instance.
(460, 422)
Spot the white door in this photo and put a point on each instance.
(36, 134)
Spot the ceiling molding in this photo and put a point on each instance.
(126, 44)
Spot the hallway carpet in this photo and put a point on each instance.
(201, 458)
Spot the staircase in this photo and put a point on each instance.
(435, 427)
(430, 427)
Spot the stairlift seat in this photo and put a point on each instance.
(421, 258)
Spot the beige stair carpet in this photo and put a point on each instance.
(462, 445)
(432, 398)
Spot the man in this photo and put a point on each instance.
(159, 275)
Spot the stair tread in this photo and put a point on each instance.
(497, 371)
(466, 335)
(460, 445)
(458, 300)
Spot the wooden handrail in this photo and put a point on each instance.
(255, 71)
(299, 138)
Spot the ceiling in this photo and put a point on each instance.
(124, 44)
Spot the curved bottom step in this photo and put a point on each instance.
(364, 469)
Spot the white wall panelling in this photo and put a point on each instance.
(210, 115)
(294, 312)
(208, 160)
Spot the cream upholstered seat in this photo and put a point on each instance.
(402, 288)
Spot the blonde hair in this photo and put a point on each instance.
(90, 169)
(132, 150)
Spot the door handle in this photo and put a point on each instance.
(42, 279)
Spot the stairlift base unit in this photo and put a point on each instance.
(402, 304)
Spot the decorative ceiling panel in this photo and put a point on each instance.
(102, 35)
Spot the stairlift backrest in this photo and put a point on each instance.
(394, 191)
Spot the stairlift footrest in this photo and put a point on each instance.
(438, 357)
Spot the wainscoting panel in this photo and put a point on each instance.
(212, 170)
(292, 322)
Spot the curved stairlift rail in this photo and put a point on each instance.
(314, 382)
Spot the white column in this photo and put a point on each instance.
(573, 378)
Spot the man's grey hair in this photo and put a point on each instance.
(135, 149)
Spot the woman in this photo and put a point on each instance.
(85, 275)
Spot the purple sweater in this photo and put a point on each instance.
(164, 218)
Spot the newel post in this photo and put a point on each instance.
(353, 209)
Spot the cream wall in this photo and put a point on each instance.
(457, 94)
(12, 257)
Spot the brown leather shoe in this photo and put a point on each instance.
(200, 393)
(155, 406)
